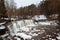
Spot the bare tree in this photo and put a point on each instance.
(11, 8)
(2, 9)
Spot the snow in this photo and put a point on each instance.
(2, 23)
(48, 23)
(42, 17)
(17, 38)
(24, 29)
(9, 18)
(33, 34)
(5, 18)
(4, 35)
(39, 17)
(44, 23)
(58, 38)
(2, 27)
(13, 18)
(32, 25)
(53, 39)
(23, 35)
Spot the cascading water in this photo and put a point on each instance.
(17, 25)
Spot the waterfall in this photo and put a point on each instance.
(20, 25)
(24, 23)
(13, 28)
(28, 22)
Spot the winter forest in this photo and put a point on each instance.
(32, 22)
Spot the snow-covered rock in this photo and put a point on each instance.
(39, 17)
(2, 27)
(23, 35)
(44, 23)
(2, 23)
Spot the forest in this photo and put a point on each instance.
(49, 8)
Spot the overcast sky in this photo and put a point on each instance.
(22, 3)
